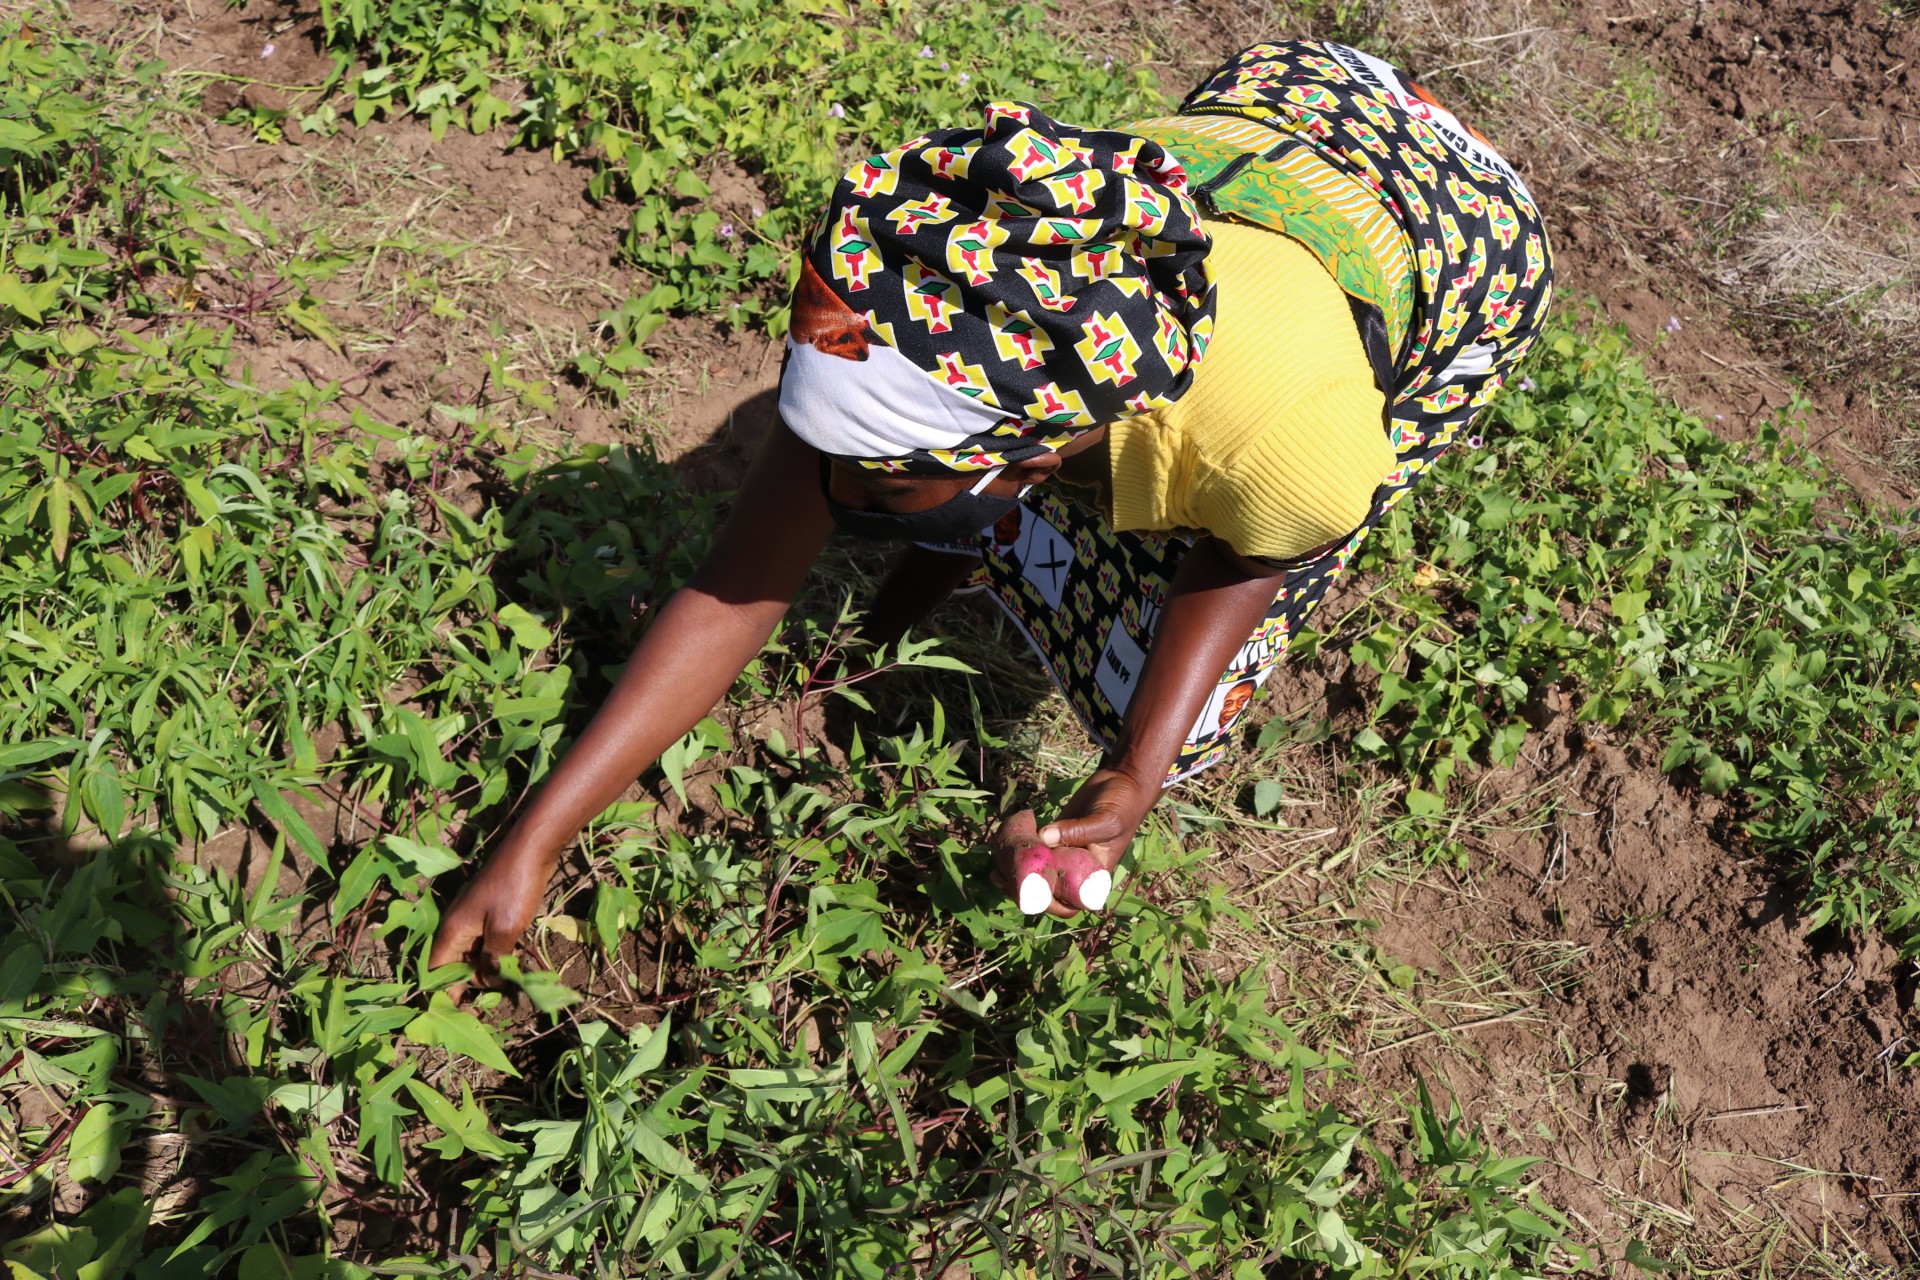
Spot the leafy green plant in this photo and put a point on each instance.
(94, 212)
(872, 1057)
(237, 581)
(1629, 105)
(668, 100)
(867, 1059)
(1733, 599)
(849, 1054)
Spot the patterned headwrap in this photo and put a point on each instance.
(979, 296)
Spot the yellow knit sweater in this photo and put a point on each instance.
(1278, 446)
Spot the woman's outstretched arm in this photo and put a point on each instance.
(704, 637)
(1216, 601)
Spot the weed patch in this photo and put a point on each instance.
(662, 99)
(1731, 602)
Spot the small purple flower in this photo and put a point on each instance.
(726, 231)
(837, 111)
(1526, 384)
(964, 77)
(944, 66)
(758, 213)
(1474, 442)
(926, 51)
(1527, 617)
(266, 50)
(1673, 324)
(1109, 63)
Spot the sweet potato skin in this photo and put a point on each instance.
(1019, 831)
(1022, 865)
(1081, 881)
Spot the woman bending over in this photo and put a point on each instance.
(1149, 385)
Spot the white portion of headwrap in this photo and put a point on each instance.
(880, 407)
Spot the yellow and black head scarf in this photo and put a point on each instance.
(978, 296)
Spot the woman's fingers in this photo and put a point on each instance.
(457, 942)
(1087, 833)
(501, 938)
(458, 935)
(1101, 817)
(485, 922)
(1106, 835)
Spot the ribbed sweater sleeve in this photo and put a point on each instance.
(1278, 446)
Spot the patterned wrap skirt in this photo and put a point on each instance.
(1088, 597)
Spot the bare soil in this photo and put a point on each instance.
(476, 251)
(1695, 1068)
(1705, 1059)
(1619, 985)
(1614, 983)
(1793, 141)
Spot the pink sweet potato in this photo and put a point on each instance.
(1016, 833)
(1081, 880)
(1033, 878)
(1022, 865)
(1038, 877)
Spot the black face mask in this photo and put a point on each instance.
(959, 517)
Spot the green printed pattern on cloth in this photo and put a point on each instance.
(1299, 195)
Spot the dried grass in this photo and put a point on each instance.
(1829, 261)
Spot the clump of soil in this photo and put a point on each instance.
(1705, 1059)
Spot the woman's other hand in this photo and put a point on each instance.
(701, 639)
(1102, 817)
(485, 922)
(1217, 600)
